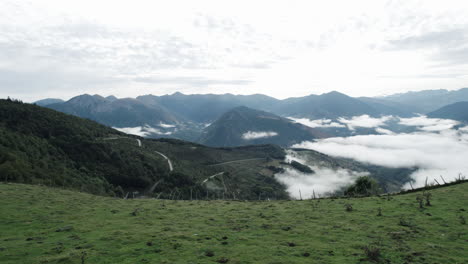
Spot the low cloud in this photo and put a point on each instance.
(429, 124)
(324, 181)
(365, 121)
(166, 125)
(249, 135)
(434, 154)
(384, 131)
(317, 122)
(142, 131)
(422, 123)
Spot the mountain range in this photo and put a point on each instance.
(428, 100)
(216, 120)
(206, 108)
(43, 146)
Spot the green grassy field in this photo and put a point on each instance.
(48, 225)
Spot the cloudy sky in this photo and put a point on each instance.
(53, 48)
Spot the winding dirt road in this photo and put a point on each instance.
(212, 176)
(227, 162)
(168, 160)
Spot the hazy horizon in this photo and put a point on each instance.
(235, 94)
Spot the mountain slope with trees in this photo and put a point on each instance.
(115, 112)
(39, 145)
(329, 105)
(205, 108)
(457, 111)
(245, 126)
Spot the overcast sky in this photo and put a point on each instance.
(56, 48)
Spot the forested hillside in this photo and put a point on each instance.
(247, 126)
(42, 146)
(39, 145)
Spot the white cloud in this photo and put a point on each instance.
(133, 131)
(166, 125)
(429, 124)
(364, 121)
(206, 45)
(155, 130)
(142, 131)
(384, 131)
(322, 182)
(422, 123)
(317, 123)
(249, 135)
(434, 154)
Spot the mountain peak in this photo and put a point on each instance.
(111, 98)
(84, 97)
(243, 126)
(334, 94)
(242, 108)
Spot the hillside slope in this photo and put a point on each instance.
(49, 101)
(39, 145)
(333, 105)
(457, 111)
(38, 226)
(245, 126)
(42, 146)
(115, 112)
(206, 108)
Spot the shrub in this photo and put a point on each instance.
(372, 253)
(404, 222)
(420, 200)
(462, 220)
(363, 186)
(427, 196)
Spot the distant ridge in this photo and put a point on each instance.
(49, 101)
(126, 112)
(429, 100)
(185, 116)
(457, 111)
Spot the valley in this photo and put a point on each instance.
(240, 153)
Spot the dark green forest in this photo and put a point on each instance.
(42, 146)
